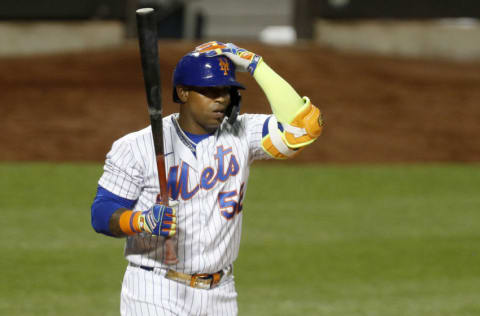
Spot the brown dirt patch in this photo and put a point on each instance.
(72, 107)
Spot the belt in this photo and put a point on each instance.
(197, 280)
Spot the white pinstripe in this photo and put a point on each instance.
(207, 240)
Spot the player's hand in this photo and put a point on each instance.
(242, 58)
(159, 220)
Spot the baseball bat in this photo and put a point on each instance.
(148, 42)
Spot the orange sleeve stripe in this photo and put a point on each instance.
(128, 222)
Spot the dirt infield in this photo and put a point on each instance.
(377, 109)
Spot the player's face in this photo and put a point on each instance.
(204, 108)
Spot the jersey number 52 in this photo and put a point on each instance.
(229, 204)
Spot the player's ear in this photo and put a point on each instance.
(182, 93)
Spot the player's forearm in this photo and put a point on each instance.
(106, 219)
(284, 100)
(112, 216)
(301, 121)
(114, 223)
(106, 211)
(124, 222)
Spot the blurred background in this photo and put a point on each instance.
(385, 201)
(412, 28)
(397, 81)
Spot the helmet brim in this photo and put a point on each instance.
(176, 99)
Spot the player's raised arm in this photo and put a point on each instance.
(300, 121)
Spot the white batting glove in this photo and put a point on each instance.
(242, 58)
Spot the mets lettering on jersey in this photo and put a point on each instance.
(209, 180)
(178, 184)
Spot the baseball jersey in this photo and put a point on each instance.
(209, 180)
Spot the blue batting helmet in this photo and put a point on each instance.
(197, 70)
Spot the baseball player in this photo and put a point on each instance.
(208, 151)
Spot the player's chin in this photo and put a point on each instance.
(214, 122)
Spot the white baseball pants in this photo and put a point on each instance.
(150, 293)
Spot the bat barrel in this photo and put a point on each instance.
(148, 42)
(147, 37)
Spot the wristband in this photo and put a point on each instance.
(128, 222)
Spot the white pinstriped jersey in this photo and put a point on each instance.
(209, 180)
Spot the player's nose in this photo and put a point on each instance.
(223, 97)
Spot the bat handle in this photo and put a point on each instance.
(170, 252)
(170, 244)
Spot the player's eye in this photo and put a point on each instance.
(212, 92)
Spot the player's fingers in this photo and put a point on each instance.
(205, 45)
(168, 222)
(232, 46)
(168, 232)
(216, 52)
(210, 46)
(246, 55)
(166, 225)
(173, 230)
(170, 216)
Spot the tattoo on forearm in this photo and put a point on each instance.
(115, 223)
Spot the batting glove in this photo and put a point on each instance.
(159, 220)
(242, 58)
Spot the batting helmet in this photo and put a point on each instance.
(197, 70)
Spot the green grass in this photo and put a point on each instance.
(366, 240)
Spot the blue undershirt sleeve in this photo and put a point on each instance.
(103, 206)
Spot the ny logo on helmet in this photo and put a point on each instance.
(224, 65)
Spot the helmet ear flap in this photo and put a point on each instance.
(234, 107)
